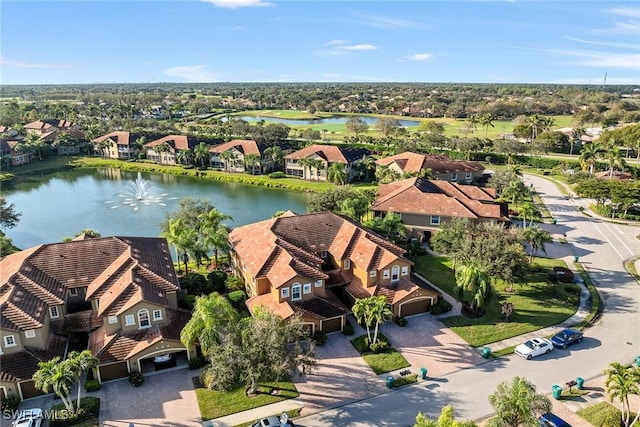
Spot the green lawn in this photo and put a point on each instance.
(215, 404)
(602, 414)
(536, 303)
(380, 363)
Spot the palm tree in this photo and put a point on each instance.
(226, 157)
(276, 155)
(614, 157)
(589, 155)
(183, 238)
(251, 161)
(201, 153)
(34, 143)
(529, 210)
(57, 376)
(623, 381)
(517, 404)
(306, 163)
(211, 314)
(370, 311)
(473, 121)
(81, 363)
(516, 191)
(539, 124)
(337, 174)
(368, 165)
(214, 233)
(536, 237)
(486, 121)
(161, 148)
(474, 280)
(380, 313)
(576, 134)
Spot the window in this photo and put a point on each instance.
(405, 271)
(306, 289)
(372, 273)
(454, 177)
(53, 311)
(385, 274)
(157, 314)
(295, 292)
(318, 283)
(323, 254)
(347, 264)
(114, 319)
(143, 319)
(284, 292)
(395, 273)
(129, 320)
(30, 333)
(73, 292)
(9, 341)
(435, 219)
(468, 175)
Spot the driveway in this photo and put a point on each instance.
(426, 343)
(165, 399)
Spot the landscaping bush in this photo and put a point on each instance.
(91, 385)
(442, 306)
(568, 292)
(237, 299)
(276, 175)
(186, 301)
(400, 321)
(320, 338)
(234, 283)
(195, 284)
(89, 409)
(136, 378)
(348, 329)
(217, 279)
(10, 403)
(196, 362)
(379, 346)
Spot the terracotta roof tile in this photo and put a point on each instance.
(283, 309)
(319, 308)
(415, 162)
(330, 153)
(245, 146)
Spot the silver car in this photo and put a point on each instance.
(274, 421)
(29, 418)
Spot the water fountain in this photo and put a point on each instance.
(139, 193)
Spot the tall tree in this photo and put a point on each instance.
(251, 162)
(517, 404)
(614, 158)
(57, 376)
(486, 121)
(9, 216)
(476, 282)
(589, 155)
(276, 155)
(226, 157)
(356, 125)
(80, 363)
(529, 210)
(621, 383)
(212, 315)
(372, 311)
(388, 126)
(213, 232)
(576, 135)
(446, 419)
(183, 238)
(536, 237)
(449, 239)
(337, 174)
(516, 191)
(201, 153)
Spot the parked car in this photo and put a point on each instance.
(163, 358)
(274, 421)
(29, 418)
(566, 337)
(534, 347)
(551, 420)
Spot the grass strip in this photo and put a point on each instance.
(596, 303)
(380, 363)
(602, 414)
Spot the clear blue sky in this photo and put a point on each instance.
(538, 41)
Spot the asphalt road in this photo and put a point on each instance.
(602, 248)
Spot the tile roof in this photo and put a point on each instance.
(119, 137)
(318, 308)
(432, 197)
(36, 278)
(414, 162)
(330, 153)
(245, 146)
(177, 142)
(22, 365)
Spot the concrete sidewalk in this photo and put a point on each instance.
(254, 414)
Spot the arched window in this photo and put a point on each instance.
(395, 273)
(143, 319)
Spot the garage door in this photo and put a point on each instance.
(332, 325)
(113, 371)
(415, 307)
(29, 390)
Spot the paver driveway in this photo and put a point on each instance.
(166, 399)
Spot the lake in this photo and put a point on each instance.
(61, 204)
(328, 121)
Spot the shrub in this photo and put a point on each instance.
(196, 362)
(237, 299)
(400, 321)
(10, 403)
(320, 338)
(195, 284)
(234, 283)
(136, 378)
(217, 279)
(276, 175)
(186, 301)
(379, 346)
(89, 409)
(442, 306)
(91, 385)
(348, 329)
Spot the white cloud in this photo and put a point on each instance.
(600, 59)
(599, 43)
(357, 47)
(420, 57)
(386, 23)
(191, 73)
(337, 42)
(235, 4)
(628, 12)
(22, 64)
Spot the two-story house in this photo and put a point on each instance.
(232, 156)
(117, 145)
(170, 145)
(424, 205)
(317, 265)
(442, 167)
(120, 293)
(323, 156)
(16, 150)
(44, 127)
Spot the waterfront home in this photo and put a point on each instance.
(117, 145)
(424, 205)
(16, 150)
(442, 167)
(245, 155)
(317, 265)
(119, 294)
(165, 150)
(313, 162)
